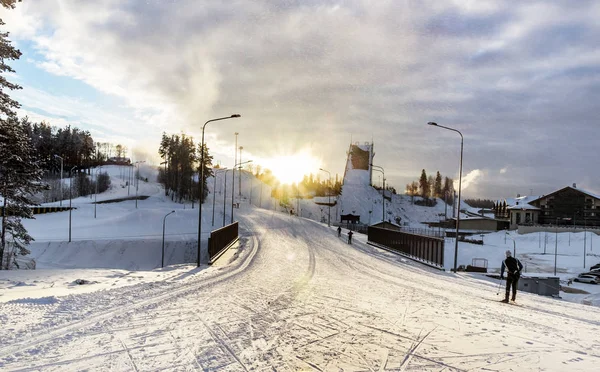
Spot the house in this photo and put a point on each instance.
(567, 206)
(517, 211)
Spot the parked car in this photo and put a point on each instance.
(596, 266)
(586, 278)
(594, 273)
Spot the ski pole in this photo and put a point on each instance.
(499, 286)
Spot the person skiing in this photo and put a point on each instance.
(339, 230)
(513, 268)
(349, 237)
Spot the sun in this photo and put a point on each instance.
(290, 169)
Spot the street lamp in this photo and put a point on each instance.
(329, 197)
(240, 173)
(215, 194)
(514, 243)
(162, 262)
(61, 178)
(233, 186)
(137, 180)
(556, 246)
(96, 195)
(201, 180)
(459, 188)
(70, 198)
(383, 193)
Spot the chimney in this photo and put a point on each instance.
(574, 185)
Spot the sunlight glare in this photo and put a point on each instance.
(292, 168)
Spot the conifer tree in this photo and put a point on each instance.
(437, 188)
(20, 178)
(424, 184)
(19, 170)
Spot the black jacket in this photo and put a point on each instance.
(512, 265)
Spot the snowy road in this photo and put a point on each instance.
(299, 298)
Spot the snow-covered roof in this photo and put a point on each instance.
(523, 207)
(521, 200)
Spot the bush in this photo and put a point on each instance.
(426, 202)
(103, 182)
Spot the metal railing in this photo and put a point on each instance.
(220, 240)
(426, 249)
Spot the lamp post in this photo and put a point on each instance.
(215, 195)
(162, 262)
(233, 186)
(240, 174)
(137, 180)
(70, 198)
(96, 195)
(556, 246)
(128, 177)
(383, 193)
(224, 194)
(329, 197)
(61, 178)
(514, 244)
(201, 180)
(459, 188)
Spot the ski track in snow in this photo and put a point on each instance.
(299, 298)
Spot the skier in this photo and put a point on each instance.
(349, 237)
(339, 230)
(513, 268)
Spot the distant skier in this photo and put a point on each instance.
(513, 268)
(349, 237)
(339, 230)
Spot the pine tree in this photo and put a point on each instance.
(424, 184)
(448, 190)
(19, 170)
(437, 188)
(20, 178)
(207, 168)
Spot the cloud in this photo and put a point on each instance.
(519, 80)
(470, 179)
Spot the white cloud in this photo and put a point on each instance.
(470, 179)
(316, 74)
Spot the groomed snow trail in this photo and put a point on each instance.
(299, 298)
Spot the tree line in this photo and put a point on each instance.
(27, 160)
(75, 146)
(432, 187)
(181, 165)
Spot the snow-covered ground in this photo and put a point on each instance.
(290, 296)
(296, 297)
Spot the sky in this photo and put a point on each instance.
(520, 80)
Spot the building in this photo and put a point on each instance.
(567, 206)
(471, 224)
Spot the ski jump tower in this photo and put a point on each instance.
(357, 182)
(358, 164)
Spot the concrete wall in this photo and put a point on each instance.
(114, 254)
(478, 224)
